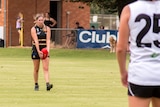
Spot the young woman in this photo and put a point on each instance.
(49, 21)
(139, 25)
(41, 39)
(19, 22)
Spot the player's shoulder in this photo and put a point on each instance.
(33, 29)
(126, 9)
(125, 12)
(52, 19)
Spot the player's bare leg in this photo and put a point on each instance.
(155, 102)
(46, 73)
(138, 102)
(36, 69)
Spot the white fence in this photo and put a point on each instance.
(110, 22)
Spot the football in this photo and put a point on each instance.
(45, 53)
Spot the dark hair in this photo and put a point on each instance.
(93, 26)
(48, 14)
(77, 23)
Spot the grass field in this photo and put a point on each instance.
(81, 78)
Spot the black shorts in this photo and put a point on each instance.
(34, 54)
(143, 91)
(18, 28)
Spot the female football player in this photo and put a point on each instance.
(41, 39)
(140, 25)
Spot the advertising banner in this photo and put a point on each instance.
(95, 38)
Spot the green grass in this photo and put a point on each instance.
(81, 78)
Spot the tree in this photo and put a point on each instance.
(111, 6)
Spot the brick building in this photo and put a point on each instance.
(64, 12)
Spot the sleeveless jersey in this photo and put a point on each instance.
(41, 34)
(144, 24)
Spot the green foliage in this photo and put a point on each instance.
(109, 6)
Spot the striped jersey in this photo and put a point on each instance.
(41, 35)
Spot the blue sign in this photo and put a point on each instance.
(95, 38)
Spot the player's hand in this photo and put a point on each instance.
(40, 54)
(124, 78)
